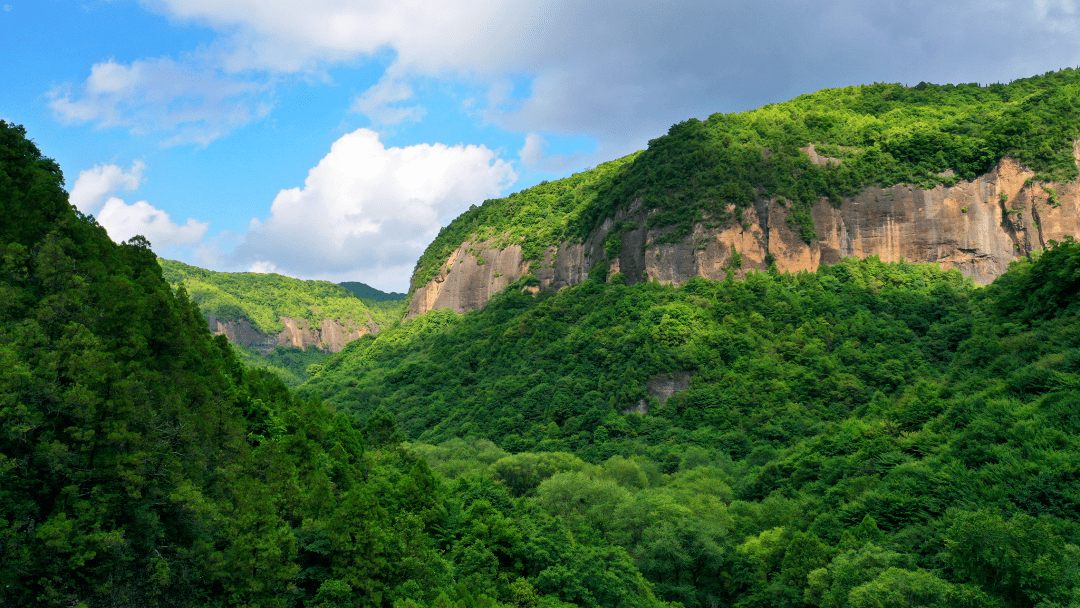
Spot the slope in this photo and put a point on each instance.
(367, 292)
(968, 176)
(817, 439)
(266, 310)
(142, 465)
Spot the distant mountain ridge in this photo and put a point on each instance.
(265, 311)
(367, 292)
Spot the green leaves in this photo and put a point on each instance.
(1019, 559)
(32, 197)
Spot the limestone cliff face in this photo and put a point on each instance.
(328, 334)
(471, 275)
(977, 227)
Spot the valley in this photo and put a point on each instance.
(824, 354)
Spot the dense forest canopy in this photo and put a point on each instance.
(879, 135)
(869, 435)
(142, 465)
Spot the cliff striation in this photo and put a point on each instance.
(977, 227)
(329, 334)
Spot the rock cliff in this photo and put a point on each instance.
(977, 227)
(328, 334)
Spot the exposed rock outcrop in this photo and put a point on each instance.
(328, 334)
(662, 387)
(977, 227)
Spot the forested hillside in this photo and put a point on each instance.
(868, 435)
(263, 299)
(142, 465)
(267, 300)
(367, 292)
(711, 171)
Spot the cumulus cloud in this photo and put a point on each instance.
(194, 104)
(123, 221)
(624, 71)
(532, 153)
(263, 267)
(93, 194)
(369, 211)
(95, 185)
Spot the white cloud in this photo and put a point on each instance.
(376, 102)
(367, 212)
(262, 267)
(123, 221)
(7, 8)
(93, 193)
(624, 71)
(195, 104)
(292, 35)
(532, 153)
(93, 186)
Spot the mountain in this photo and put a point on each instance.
(265, 311)
(969, 177)
(367, 292)
(141, 464)
(866, 433)
(863, 431)
(870, 434)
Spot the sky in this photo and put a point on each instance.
(332, 139)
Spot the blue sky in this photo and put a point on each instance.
(332, 139)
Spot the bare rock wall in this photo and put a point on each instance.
(977, 227)
(328, 334)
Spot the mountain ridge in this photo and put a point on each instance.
(967, 176)
(367, 292)
(265, 311)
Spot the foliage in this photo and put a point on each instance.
(532, 219)
(367, 292)
(294, 366)
(879, 135)
(142, 465)
(263, 299)
(868, 435)
(31, 194)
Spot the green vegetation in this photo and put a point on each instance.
(263, 299)
(1052, 196)
(867, 435)
(849, 438)
(736, 258)
(142, 465)
(367, 292)
(881, 135)
(534, 219)
(293, 365)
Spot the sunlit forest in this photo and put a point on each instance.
(870, 435)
